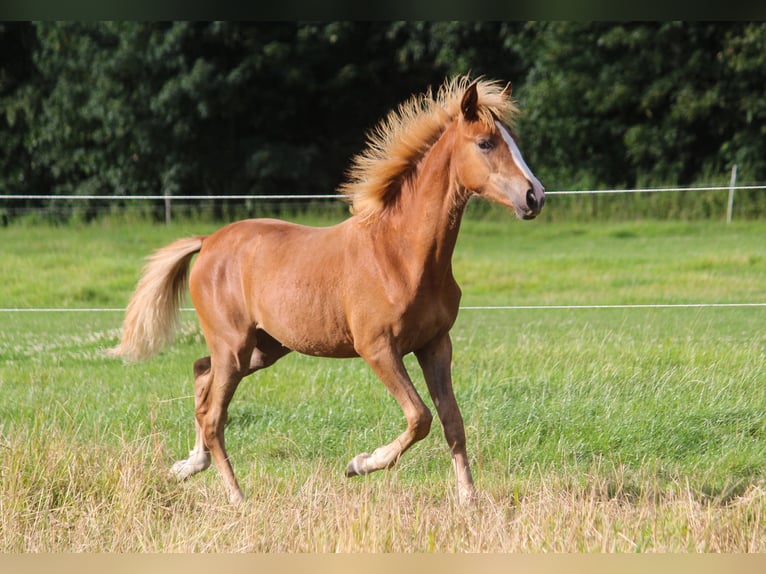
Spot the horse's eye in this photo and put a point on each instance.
(486, 144)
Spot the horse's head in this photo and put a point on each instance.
(488, 162)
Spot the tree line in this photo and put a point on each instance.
(232, 108)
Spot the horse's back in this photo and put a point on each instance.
(244, 232)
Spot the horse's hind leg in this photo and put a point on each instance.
(215, 382)
(199, 457)
(211, 413)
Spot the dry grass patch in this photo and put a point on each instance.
(61, 497)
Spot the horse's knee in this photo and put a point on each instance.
(454, 432)
(421, 425)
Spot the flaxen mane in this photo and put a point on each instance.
(396, 144)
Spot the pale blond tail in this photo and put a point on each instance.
(152, 314)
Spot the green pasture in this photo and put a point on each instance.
(669, 396)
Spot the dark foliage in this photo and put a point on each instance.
(224, 108)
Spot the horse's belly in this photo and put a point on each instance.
(315, 326)
(315, 343)
(316, 339)
(308, 324)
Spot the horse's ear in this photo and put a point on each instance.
(469, 105)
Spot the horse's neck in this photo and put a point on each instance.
(428, 213)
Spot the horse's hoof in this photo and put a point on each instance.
(183, 469)
(467, 497)
(236, 497)
(180, 470)
(356, 466)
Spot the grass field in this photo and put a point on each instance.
(589, 429)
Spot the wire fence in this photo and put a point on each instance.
(462, 308)
(343, 197)
(168, 199)
(216, 201)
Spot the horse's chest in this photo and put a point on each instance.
(425, 317)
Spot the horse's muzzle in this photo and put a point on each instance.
(535, 200)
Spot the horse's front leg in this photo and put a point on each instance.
(436, 359)
(389, 367)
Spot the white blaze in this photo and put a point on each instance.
(518, 159)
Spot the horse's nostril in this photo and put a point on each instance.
(531, 199)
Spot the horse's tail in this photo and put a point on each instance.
(152, 314)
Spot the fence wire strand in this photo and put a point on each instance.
(464, 308)
(343, 197)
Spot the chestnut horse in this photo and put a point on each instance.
(378, 286)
